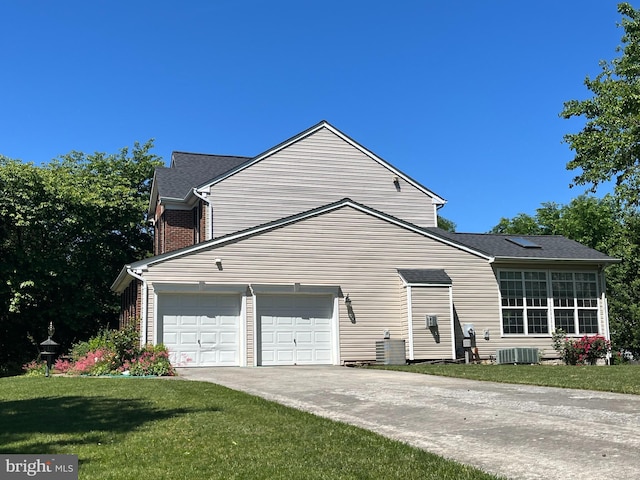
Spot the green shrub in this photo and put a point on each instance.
(152, 360)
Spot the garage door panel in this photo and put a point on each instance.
(323, 356)
(304, 338)
(187, 338)
(295, 329)
(322, 337)
(284, 356)
(209, 338)
(228, 338)
(284, 337)
(202, 327)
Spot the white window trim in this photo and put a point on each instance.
(550, 307)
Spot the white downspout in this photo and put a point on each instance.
(209, 214)
(144, 301)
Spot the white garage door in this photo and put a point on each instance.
(200, 329)
(295, 329)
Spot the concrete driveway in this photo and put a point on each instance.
(511, 430)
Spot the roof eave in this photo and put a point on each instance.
(592, 261)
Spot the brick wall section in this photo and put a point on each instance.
(131, 304)
(178, 229)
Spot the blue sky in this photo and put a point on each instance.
(461, 95)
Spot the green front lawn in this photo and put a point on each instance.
(615, 378)
(125, 428)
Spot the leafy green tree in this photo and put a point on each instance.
(608, 146)
(446, 224)
(604, 225)
(521, 224)
(65, 230)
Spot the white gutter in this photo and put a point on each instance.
(209, 215)
(144, 301)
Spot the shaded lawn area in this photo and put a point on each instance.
(614, 378)
(124, 428)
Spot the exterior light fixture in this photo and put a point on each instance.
(350, 312)
(48, 349)
(218, 263)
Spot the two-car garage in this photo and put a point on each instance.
(206, 329)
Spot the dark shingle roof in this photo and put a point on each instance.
(553, 247)
(422, 275)
(189, 170)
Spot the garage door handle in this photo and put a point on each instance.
(295, 342)
(199, 343)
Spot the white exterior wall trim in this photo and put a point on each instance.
(453, 328)
(144, 300)
(410, 321)
(208, 220)
(335, 331)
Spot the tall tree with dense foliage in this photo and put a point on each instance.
(604, 225)
(608, 146)
(65, 230)
(607, 149)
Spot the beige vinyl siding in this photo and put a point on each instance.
(355, 251)
(315, 171)
(431, 301)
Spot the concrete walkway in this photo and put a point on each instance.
(515, 431)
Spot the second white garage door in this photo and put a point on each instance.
(200, 329)
(295, 329)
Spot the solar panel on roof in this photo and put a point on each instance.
(523, 242)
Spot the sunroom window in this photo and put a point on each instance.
(538, 302)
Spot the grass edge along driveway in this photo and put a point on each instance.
(123, 428)
(614, 378)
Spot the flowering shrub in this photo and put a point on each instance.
(111, 352)
(62, 366)
(582, 351)
(99, 362)
(35, 368)
(151, 361)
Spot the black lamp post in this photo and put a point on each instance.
(48, 349)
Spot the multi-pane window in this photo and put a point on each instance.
(538, 302)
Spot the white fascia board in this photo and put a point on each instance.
(443, 285)
(153, 197)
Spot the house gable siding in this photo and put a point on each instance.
(328, 250)
(316, 170)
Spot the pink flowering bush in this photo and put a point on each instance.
(35, 368)
(152, 360)
(98, 362)
(62, 365)
(582, 351)
(111, 352)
